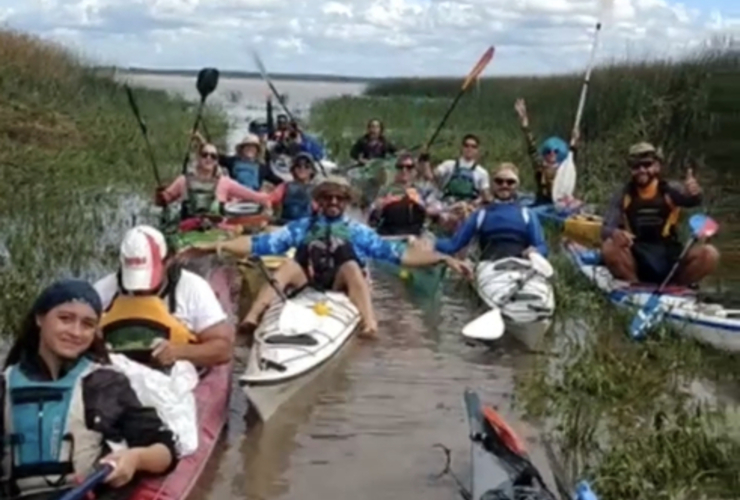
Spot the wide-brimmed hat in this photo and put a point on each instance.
(643, 150)
(332, 182)
(250, 140)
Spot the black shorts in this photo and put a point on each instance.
(325, 279)
(654, 261)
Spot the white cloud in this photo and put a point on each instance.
(366, 37)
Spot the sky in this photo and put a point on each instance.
(373, 38)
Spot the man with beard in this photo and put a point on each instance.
(640, 239)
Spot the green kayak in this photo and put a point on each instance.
(423, 280)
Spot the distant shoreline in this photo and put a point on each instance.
(248, 75)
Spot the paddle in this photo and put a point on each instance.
(701, 226)
(273, 89)
(490, 325)
(144, 132)
(564, 183)
(295, 319)
(206, 83)
(94, 479)
(472, 76)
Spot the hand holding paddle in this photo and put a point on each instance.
(490, 325)
(702, 227)
(97, 477)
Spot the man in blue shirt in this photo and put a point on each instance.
(332, 252)
(503, 228)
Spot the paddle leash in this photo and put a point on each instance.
(472, 77)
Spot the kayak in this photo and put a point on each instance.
(500, 466)
(686, 312)
(425, 279)
(528, 314)
(574, 223)
(290, 348)
(212, 401)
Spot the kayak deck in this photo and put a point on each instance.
(690, 316)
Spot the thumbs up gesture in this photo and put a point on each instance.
(691, 184)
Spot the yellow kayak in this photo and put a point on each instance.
(584, 229)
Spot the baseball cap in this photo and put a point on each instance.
(143, 250)
(645, 149)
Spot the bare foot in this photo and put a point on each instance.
(369, 331)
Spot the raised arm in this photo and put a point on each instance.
(462, 236)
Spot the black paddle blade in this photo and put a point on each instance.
(207, 81)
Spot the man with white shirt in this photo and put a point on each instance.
(151, 300)
(464, 179)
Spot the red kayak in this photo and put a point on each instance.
(212, 399)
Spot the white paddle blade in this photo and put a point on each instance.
(541, 265)
(564, 183)
(486, 327)
(296, 319)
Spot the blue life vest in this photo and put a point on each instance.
(296, 201)
(247, 173)
(39, 412)
(502, 230)
(461, 184)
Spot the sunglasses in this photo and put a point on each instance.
(302, 164)
(213, 156)
(643, 165)
(333, 197)
(549, 151)
(470, 145)
(405, 166)
(499, 181)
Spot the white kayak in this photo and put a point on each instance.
(686, 313)
(289, 348)
(528, 314)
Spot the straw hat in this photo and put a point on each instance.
(332, 182)
(250, 140)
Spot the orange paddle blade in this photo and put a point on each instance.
(479, 67)
(508, 436)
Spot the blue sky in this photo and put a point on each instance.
(372, 37)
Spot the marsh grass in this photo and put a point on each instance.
(642, 420)
(73, 165)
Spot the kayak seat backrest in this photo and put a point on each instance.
(303, 339)
(590, 257)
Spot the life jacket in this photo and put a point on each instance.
(247, 173)
(400, 210)
(502, 230)
(134, 322)
(544, 178)
(46, 438)
(200, 197)
(651, 219)
(461, 184)
(322, 245)
(296, 201)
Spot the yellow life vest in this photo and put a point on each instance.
(136, 321)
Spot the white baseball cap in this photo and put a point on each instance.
(143, 251)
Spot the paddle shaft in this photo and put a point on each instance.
(673, 270)
(90, 482)
(142, 126)
(518, 286)
(192, 132)
(587, 78)
(446, 116)
(266, 274)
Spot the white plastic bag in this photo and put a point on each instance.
(171, 395)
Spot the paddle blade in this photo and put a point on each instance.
(506, 433)
(479, 67)
(486, 327)
(296, 319)
(541, 265)
(584, 492)
(646, 317)
(564, 183)
(90, 482)
(207, 81)
(703, 226)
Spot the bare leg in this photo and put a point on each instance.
(289, 274)
(619, 261)
(351, 278)
(700, 261)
